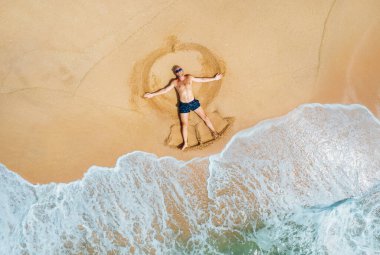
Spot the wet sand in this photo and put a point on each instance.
(73, 75)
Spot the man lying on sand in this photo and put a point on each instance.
(187, 102)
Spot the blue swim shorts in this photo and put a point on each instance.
(187, 107)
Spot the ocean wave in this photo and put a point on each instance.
(275, 188)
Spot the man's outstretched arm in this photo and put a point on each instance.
(217, 76)
(161, 91)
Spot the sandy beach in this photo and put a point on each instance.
(73, 74)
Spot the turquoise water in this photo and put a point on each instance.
(304, 183)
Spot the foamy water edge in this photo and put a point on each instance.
(49, 203)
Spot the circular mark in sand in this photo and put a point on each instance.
(154, 72)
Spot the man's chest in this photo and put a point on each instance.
(183, 85)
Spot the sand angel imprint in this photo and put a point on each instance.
(200, 129)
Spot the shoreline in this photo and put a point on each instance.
(255, 128)
(270, 176)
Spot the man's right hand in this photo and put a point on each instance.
(148, 95)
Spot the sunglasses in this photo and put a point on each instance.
(178, 70)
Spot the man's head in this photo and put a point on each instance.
(178, 71)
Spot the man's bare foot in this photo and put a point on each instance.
(184, 146)
(215, 134)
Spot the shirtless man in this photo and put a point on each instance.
(187, 102)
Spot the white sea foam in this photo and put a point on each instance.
(274, 188)
(349, 226)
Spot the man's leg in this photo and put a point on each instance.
(184, 124)
(201, 113)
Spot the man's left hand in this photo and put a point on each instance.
(218, 76)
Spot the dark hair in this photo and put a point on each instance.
(175, 67)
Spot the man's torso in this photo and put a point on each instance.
(184, 89)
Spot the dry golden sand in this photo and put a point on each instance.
(73, 73)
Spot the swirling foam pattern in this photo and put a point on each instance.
(304, 183)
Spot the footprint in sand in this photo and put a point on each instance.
(149, 75)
